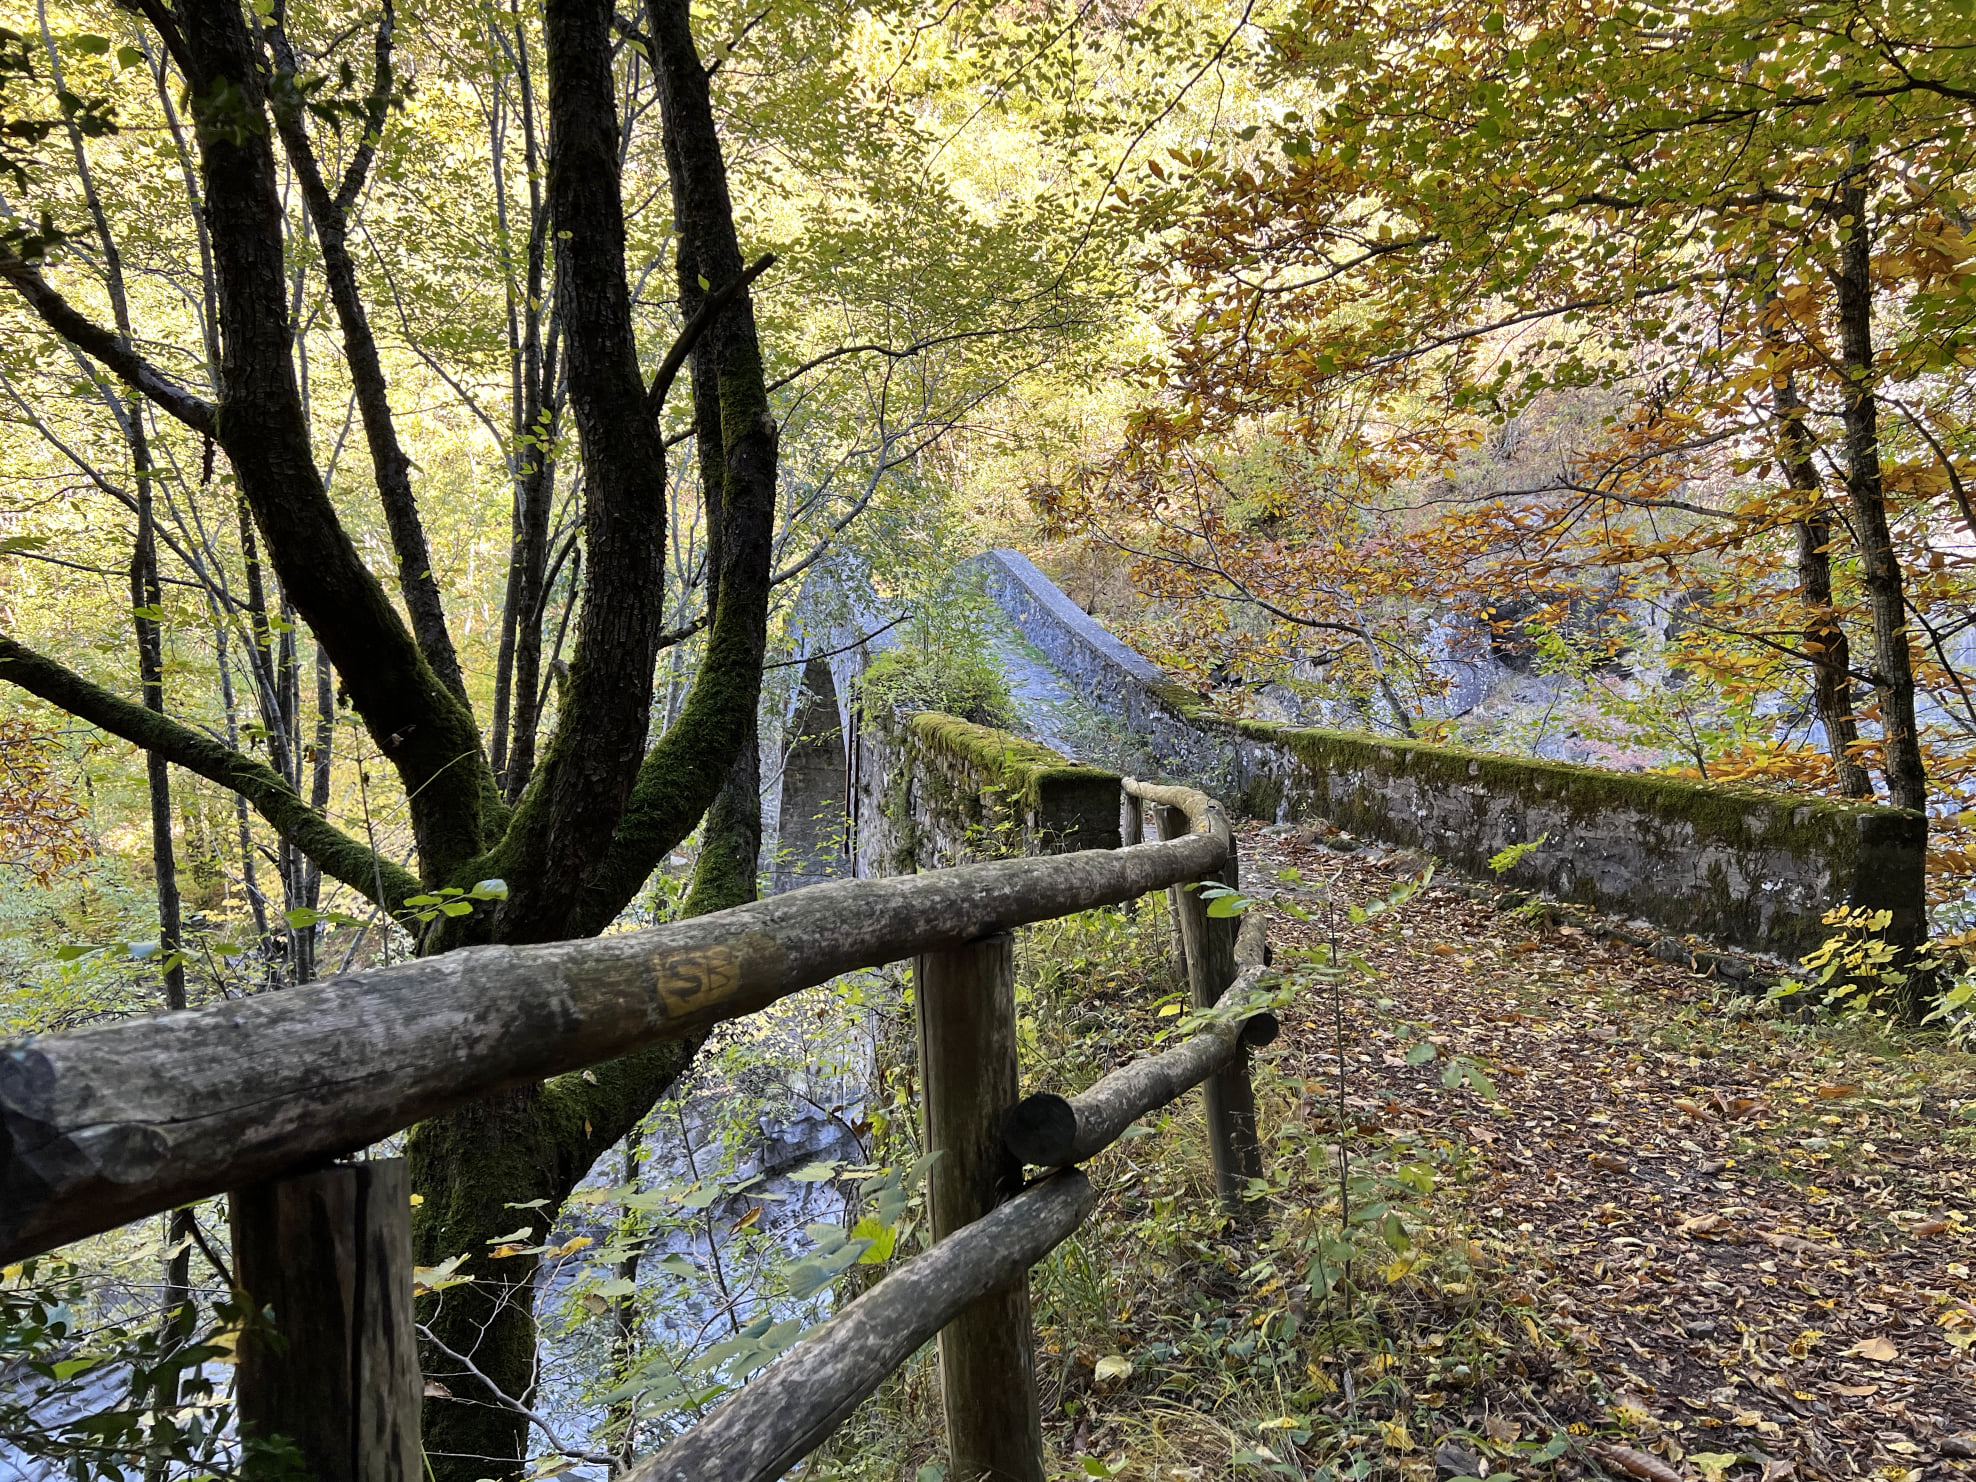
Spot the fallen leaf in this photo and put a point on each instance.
(1714, 1464)
(1457, 1460)
(1701, 1224)
(1779, 1471)
(1799, 1244)
(1498, 1429)
(1880, 1350)
(1112, 1368)
(1834, 1092)
(1690, 1108)
(1641, 1464)
(1928, 1229)
(1856, 1391)
(1611, 1162)
(1395, 1435)
(1962, 1448)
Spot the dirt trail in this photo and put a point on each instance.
(1739, 1244)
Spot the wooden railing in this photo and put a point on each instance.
(255, 1096)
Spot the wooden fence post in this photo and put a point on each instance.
(1209, 944)
(967, 1052)
(335, 1370)
(1131, 830)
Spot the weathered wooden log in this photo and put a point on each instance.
(965, 1001)
(336, 1369)
(1053, 1131)
(1209, 944)
(788, 1412)
(1203, 811)
(1252, 941)
(107, 1125)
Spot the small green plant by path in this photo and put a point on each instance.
(1857, 972)
(1505, 860)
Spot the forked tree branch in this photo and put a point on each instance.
(669, 368)
(103, 345)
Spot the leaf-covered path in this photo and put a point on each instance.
(1734, 1244)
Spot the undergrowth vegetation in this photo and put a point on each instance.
(1412, 1303)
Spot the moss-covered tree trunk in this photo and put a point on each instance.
(603, 803)
(479, 1168)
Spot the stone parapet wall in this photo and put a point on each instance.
(1747, 868)
(935, 791)
(1120, 681)
(1750, 869)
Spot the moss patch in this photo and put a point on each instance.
(1803, 825)
(1022, 768)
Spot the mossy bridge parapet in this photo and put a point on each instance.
(1745, 868)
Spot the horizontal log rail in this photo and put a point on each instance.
(1049, 1131)
(763, 1430)
(106, 1125)
(766, 1428)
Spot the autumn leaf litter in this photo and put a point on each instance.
(1735, 1247)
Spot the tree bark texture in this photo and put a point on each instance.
(763, 1431)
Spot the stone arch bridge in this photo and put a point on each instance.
(859, 794)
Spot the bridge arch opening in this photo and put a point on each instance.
(813, 835)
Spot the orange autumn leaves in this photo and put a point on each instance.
(42, 821)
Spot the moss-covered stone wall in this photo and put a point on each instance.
(939, 791)
(1754, 869)
(1745, 868)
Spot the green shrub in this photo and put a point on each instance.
(956, 680)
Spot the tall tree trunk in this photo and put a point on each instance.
(534, 509)
(391, 465)
(249, 868)
(1824, 638)
(146, 599)
(475, 1166)
(532, 400)
(1907, 776)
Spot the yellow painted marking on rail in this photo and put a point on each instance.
(691, 979)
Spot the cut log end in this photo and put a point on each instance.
(1041, 1130)
(1259, 1030)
